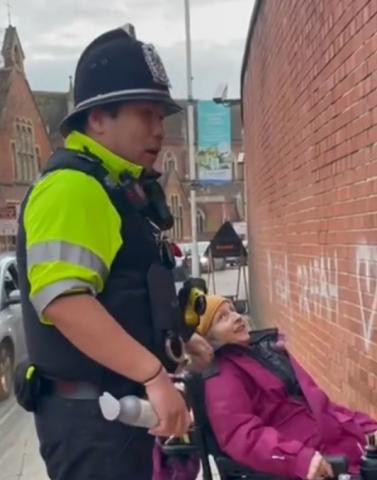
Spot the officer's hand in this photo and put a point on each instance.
(169, 405)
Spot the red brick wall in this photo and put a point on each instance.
(19, 103)
(217, 213)
(310, 100)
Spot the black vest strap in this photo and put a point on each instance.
(71, 159)
(125, 295)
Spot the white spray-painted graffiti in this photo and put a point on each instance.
(318, 286)
(278, 280)
(317, 282)
(366, 277)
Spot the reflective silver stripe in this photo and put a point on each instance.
(49, 293)
(122, 93)
(67, 252)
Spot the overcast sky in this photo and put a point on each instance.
(53, 33)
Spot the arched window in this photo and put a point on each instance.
(17, 57)
(24, 152)
(169, 162)
(200, 220)
(39, 161)
(177, 211)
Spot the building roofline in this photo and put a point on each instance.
(9, 31)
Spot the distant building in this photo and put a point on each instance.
(215, 204)
(29, 131)
(24, 141)
(54, 106)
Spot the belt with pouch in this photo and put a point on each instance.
(30, 385)
(73, 390)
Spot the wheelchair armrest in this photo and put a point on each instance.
(230, 467)
(179, 446)
(178, 449)
(236, 470)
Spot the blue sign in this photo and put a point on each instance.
(214, 155)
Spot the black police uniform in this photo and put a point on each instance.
(75, 441)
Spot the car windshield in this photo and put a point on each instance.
(202, 246)
(186, 248)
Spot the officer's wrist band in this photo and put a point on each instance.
(151, 379)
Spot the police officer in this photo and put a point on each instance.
(87, 243)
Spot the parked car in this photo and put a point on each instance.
(12, 337)
(180, 271)
(204, 261)
(235, 261)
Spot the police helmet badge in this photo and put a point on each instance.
(155, 65)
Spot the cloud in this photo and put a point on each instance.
(54, 33)
(211, 65)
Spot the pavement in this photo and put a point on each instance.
(19, 457)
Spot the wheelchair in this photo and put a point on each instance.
(202, 440)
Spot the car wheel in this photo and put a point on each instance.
(6, 370)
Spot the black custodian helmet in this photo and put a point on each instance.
(118, 67)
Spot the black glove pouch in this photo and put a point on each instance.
(27, 386)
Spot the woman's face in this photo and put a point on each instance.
(228, 327)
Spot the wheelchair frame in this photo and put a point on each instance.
(205, 444)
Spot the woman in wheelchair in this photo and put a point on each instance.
(265, 410)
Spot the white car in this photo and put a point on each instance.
(218, 263)
(12, 337)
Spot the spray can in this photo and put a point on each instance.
(130, 410)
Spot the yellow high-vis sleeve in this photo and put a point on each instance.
(73, 233)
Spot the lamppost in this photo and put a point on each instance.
(191, 146)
